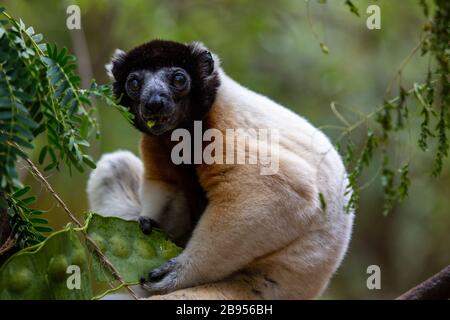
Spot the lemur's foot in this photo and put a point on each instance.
(163, 279)
(146, 224)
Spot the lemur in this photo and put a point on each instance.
(245, 235)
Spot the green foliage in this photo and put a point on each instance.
(433, 100)
(438, 46)
(362, 162)
(25, 221)
(40, 94)
(425, 112)
(39, 272)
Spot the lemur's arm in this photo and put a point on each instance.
(241, 223)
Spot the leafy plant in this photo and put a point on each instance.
(40, 95)
(432, 98)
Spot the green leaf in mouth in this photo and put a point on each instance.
(151, 123)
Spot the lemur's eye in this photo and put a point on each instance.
(179, 80)
(134, 85)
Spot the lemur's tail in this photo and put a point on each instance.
(113, 187)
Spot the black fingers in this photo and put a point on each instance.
(147, 224)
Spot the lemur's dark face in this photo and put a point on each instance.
(165, 84)
(160, 99)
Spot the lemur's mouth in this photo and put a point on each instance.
(157, 119)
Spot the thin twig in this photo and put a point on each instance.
(100, 296)
(35, 171)
(368, 116)
(403, 64)
(323, 47)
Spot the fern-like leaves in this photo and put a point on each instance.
(40, 94)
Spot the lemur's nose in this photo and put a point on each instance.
(155, 103)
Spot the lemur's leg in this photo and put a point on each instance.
(241, 223)
(113, 187)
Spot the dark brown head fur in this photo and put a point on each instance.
(157, 55)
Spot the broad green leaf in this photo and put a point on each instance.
(129, 250)
(40, 272)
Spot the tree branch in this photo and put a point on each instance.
(5, 229)
(435, 288)
(7, 243)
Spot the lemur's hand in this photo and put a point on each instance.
(147, 224)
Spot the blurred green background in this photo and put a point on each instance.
(273, 48)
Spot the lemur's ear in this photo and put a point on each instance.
(206, 61)
(116, 59)
(206, 66)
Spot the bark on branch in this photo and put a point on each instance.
(4, 225)
(435, 288)
(7, 243)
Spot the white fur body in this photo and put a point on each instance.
(261, 236)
